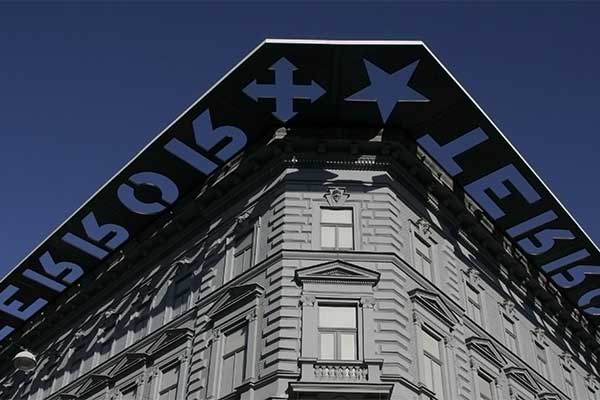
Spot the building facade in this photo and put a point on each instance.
(310, 268)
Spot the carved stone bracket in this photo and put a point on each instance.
(473, 276)
(539, 335)
(368, 302)
(308, 300)
(508, 306)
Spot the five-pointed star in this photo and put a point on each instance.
(388, 89)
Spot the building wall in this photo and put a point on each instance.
(165, 324)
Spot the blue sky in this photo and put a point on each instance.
(83, 87)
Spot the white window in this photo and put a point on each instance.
(569, 386)
(433, 364)
(423, 259)
(181, 294)
(234, 360)
(242, 257)
(338, 333)
(473, 304)
(337, 228)
(510, 334)
(168, 383)
(541, 360)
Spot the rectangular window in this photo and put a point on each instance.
(486, 388)
(510, 335)
(181, 293)
(473, 304)
(541, 360)
(423, 258)
(168, 383)
(338, 333)
(569, 386)
(242, 258)
(432, 364)
(591, 393)
(234, 360)
(337, 230)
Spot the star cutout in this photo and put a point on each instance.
(388, 89)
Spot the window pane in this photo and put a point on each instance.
(427, 378)
(240, 365)
(431, 345)
(328, 236)
(227, 375)
(337, 317)
(327, 346)
(336, 216)
(438, 386)
(347, 346)
(426, 269)
(345, 240)
(485, 388)
(235, 340)
(129, 394)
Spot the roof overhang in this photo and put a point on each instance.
(390, 88)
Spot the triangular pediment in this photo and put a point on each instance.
(487, 349)
(523, 377)
(128, 361)
(433, 303)
(236, 297)
(94, 382)
(338, 271)
(168, 338)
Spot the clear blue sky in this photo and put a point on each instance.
(84, 87)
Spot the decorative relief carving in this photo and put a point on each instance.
(473, 276)
(508, 307)
(242, 221)
(308, 300)
(566, 360)
(336, 196)
(368, 302)
(423, 227)
(539, 335)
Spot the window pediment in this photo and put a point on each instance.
(434, 304)
(523, 377)
(487, 349)
(127, 362)
(235, 298)
(168, 338)
(338, 272)
(94, 382)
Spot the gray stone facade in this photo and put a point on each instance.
(226, 304)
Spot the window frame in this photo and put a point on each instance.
(441, 361)
(350, 225)
(338, 331)
(515, 334)
(429, 238)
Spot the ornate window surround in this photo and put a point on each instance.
(422, 229)
(244, 224)
(338, 282)
(432, 314)
(335, 198)
(239, 306)
(488, 361)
